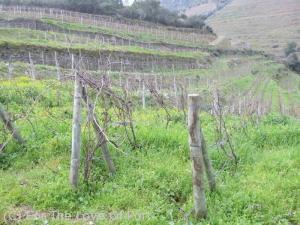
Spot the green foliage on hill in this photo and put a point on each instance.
(32, 38)
(108, 7)
(148, 10)
(292, 59)
(151, 10)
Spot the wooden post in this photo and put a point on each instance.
(32, 69)
(207, 162)
(104, 147)
(10, 125)
(120, 79)
(43, 58)
(101, 138)
(10, 70)
(121, 66)
(75, 156)
(143, 95)
(196, 155)
(155, 80)
(58, 72)
(175, 91)
(127, 84)
(72, 62)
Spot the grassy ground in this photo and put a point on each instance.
(146, 37)
(254, 78)
(127, 34)
(19, 37)
(154, 180)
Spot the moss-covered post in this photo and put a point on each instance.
(76, 131)
(196, 156)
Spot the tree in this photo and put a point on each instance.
(152, 11)
(149, 10)
(109, 7)
(293, 62)
(291, 48)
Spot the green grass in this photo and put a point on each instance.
(262, 79)
(36, 38)
(144, 37)
(154, 180)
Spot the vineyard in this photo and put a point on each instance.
(124, 85)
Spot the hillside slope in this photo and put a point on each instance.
(206, 7)
(267, 25)
(194, 7)
(135, 78)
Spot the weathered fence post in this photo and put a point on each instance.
(208, 165)
(32, 69)
(76, 131)
(10, 70)
(143, 94)
(101, 138)
(10, 125)
(72, 62)
(175, 91)
(196, 155)
(58, 72)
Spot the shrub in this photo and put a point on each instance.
(293, 62)
(108, 7)
(151, 10)
(290, 48)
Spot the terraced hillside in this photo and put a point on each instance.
(266, 25)
(40, 40)
(131, 85)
